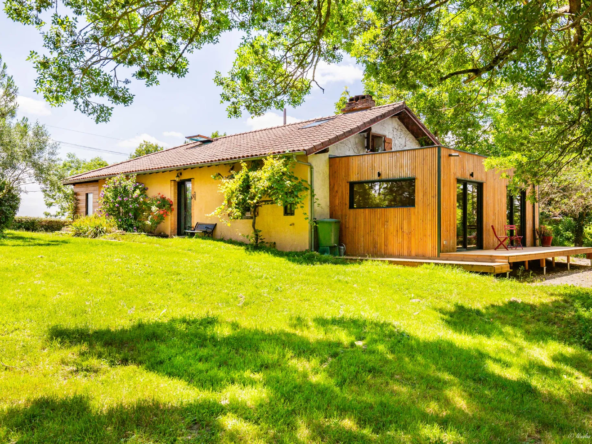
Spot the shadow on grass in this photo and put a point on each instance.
(377, 384)
(298, 257)
(567, 319)
(24, 239)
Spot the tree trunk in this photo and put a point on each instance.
(580, 222)
(255, 232)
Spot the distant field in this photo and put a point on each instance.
(149, 340)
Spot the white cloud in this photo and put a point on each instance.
(33, 106)
(173, 134)
(347, 72)
(136, 140)
(268, 120)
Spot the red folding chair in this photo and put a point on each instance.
(516, 240)
(502, 240)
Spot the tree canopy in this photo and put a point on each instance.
(59, 197)
(508, 77)
(268, 182)
(27, 153)
(146, 147)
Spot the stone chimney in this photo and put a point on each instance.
(357, 103)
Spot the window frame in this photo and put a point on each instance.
(287, 212)
(86, 206)
(398, 179)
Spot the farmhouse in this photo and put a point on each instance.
(397, 192)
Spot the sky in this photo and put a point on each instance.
(163, 114)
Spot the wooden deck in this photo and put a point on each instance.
(488, 261)
(476, 266)
(519, 255)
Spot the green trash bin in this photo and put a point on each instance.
(328, 231)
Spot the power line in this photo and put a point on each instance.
(93, 148)
(83, 132)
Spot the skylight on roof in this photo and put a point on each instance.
(318, 122)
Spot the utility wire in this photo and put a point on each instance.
(93, 148)
(83, 132)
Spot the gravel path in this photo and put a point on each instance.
(579, 278)
(580, 274)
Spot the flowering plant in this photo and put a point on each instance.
(159, 207)
(124, 200)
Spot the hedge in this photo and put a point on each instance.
(24, 223)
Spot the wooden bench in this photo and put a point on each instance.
(206, 229)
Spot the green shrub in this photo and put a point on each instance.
(93, 226)
(9, 205)
(45, 224)
(124, 200)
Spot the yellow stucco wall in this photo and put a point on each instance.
(290, 233)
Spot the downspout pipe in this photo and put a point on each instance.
(311, 199)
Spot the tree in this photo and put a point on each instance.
(217, 134)
(27, 153)
(8, 94)
(570, 195)
(62, 197)
(9, 205)
(464, 63)
(270, 182)
(146, 147)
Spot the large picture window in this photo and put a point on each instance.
(392, 193)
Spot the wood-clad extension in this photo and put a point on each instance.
(417, 231)
(470, 167)
(81, 189)
(388, 232)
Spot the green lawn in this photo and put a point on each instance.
(185, 340)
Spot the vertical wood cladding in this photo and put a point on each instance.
(81, 189)
(395, 232)
(413, 232)
(494, 199)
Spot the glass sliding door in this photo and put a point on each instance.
(469, 209)
(516, 212)
(184, 221)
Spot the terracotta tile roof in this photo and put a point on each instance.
(300, 137)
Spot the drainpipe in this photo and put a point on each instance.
(311, 199)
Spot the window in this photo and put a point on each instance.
(289, 210)
(318, 122)
(377, 144)
(516, 213)
(89, 204)
(392, 193)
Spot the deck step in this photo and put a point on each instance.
(476, 266)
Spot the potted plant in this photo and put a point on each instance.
(546, 236)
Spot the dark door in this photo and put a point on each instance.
(517, 214)
(184, 207)
(469, 215)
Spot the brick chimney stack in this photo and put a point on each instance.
(357, 103)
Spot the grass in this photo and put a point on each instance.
(149, 340)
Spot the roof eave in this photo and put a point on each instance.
(181, 167)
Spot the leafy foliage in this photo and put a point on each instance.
(217, 134)
(569, 196)
(27, 153)
(39, 224)
(9, 204)
(159, 207)
(124, 200)
(93, 226)
(505, 78)
(61, 197)
(8, 94)
(146, 147)
(270, 182)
